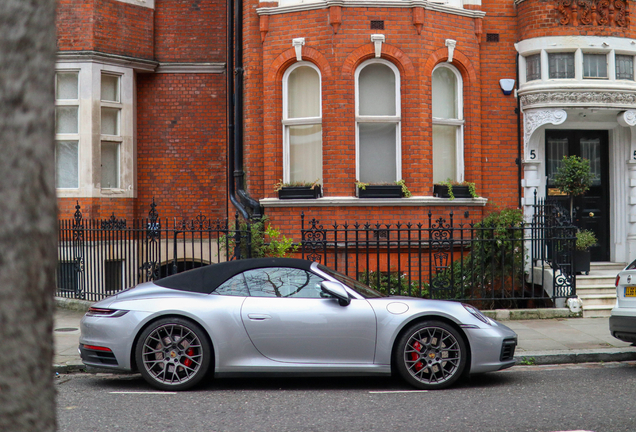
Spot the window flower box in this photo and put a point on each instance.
(452, 189)
(441, 191)
(380, 191)
(300, 192)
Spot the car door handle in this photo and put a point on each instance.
(258, 317)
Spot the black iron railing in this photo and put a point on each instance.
(98, 258)
(527, 264)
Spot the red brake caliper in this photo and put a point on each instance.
(414, 356)
(188, 362)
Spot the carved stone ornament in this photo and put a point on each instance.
(583, 98)
(534, 119)
(606, 13)
(627, 118)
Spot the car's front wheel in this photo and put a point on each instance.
(431, 355)
(173, 354)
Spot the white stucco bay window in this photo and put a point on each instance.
(378, 117)
(583, 62)
(95, 121)
(448, 124)
(302, 123)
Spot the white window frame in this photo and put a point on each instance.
(607, 66)
(301, 121)
(577, 64)
(397, 118)
(69, 136)
(90, 137)
(633, 78)
(458, 122)
(117, 138)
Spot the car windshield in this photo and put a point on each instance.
(358, 287)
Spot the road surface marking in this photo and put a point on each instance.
(399, 391)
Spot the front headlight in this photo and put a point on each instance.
(477, 314)
(106, 313)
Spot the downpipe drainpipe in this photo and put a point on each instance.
(519, 150)
(246, 205)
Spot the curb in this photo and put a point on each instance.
(528, 314)
(574, 357)
(69, 368)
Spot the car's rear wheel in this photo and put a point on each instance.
(173, 354)
(431, 355)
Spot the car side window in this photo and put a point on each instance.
(235, 286)
(632, 266)
(283, 282)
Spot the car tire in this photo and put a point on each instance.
(173, 354)
(431, 355)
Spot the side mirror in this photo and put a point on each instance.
(336, 290)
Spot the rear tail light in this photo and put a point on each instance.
(97, 348)
(618, 278)
(103, 312)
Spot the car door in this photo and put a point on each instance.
(289, 319)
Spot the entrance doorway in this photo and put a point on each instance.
(591, 211)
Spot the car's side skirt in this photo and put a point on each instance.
(306, 370)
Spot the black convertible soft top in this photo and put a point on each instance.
(206, 279)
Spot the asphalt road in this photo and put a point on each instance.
(591, 397)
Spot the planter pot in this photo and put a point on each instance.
(582, 261)
(380, 191)
(299, 192)
(441, 191)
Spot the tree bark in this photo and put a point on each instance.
(27, 214)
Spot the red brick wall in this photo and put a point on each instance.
(181, 144)
(124, 29)
(499, 142)
(540, 18)
(288, 220)
(74, 24)
(99, 208)
(106, 26)
(337, 56)
(190, 30)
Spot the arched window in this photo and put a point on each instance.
(378, 122)
(302, 122)
(448, 124)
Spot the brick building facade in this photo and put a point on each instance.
(346, 92)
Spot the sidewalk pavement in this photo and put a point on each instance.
(541, 341)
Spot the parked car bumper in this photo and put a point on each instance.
(623, 327)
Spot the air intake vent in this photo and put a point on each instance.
(377, 24)
(492, 37)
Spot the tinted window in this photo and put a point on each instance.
(283, 282)
(233, 287)
(632, 266)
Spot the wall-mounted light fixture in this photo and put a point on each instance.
(507, 85)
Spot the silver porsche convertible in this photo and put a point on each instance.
(280, 315)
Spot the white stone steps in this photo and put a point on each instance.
(598, 299)
(597, 290)
(597, 311)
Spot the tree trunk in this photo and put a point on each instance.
(27, 215)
